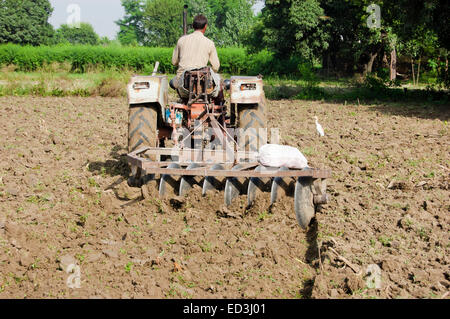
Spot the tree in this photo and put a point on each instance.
(440, 24)
(204, 7)
(414, 23)
(131, 26)
(158, 22)
(85, 34)
(228, 20)
(341, 33)
(25, 21)
(238, 23)
(163, 22)
(105, 41)
(355, 46)
(229, 9)
(291, 27)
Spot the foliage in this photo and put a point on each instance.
(140, 59)
(162, 20)
(349, 37)
(374, 83)
(159, 22)
(228, 20)
(409, 26)
(81, 57)
(84, 34)
(286, 38)
(237, 26)
(196, 7)
(25, 22)
(291, 27)
(441, 22)
(311, 91)
(131, 26)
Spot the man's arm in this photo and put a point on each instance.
(214, 59)
(176, 55)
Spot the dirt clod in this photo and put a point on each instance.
(110, 253)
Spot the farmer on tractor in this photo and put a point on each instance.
(193, 52)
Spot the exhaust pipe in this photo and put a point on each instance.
(185, 13)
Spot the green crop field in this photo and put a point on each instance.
(81, 58)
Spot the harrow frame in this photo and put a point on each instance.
(160, 167)
(310, 184)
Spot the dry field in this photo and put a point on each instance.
(64, 200)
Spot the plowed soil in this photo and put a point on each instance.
(64, 200)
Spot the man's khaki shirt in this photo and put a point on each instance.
(193, 51)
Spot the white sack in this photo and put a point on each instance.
(275, 155)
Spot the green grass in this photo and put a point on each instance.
(263, 215)
(128, 267)
(385, 241)
(63, 83)
(97, 81)
(206, 246)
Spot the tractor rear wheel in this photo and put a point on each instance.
(251, 119)
(142, 132)
(142, 127)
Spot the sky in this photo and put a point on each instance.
(100, 13)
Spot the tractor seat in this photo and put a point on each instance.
(199, 81)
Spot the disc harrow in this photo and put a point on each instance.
(306, 186)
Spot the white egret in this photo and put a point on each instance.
(319, 127)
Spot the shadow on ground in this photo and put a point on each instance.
(416, 109)
(116, 166)
(311, 257)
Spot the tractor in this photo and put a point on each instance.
(211, 141)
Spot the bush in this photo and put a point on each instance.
(374, 83)
(111, 88)
(266, 63)
(82, 58)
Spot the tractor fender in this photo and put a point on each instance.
(148, 89)
(246, 90)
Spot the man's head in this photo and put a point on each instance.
(200, 23)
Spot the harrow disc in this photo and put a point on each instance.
(279, 187)
(167, 179)
(232, 187)
(210, 182)
(135, 180)
(187, 182)
(304, 201)
(256, 185)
